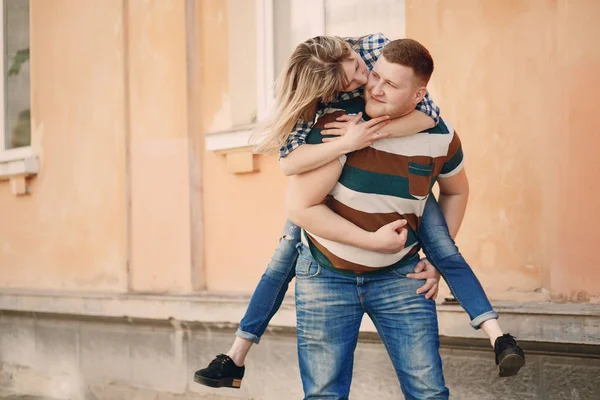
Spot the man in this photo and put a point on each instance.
(337, 283)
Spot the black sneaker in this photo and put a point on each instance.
(221, 372)
(509, 356)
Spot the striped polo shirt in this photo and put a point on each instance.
(387, 181)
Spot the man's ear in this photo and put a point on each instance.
(420, 94)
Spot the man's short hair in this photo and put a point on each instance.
(410, 53)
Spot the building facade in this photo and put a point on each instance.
(128, 191)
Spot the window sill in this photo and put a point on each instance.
(17, 165)
(234, 145)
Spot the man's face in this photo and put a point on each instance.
(356, 72)
(392, 89)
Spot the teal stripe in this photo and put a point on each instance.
(375, 183)
(440, 128)
(454, 162)
(420, 169)
(315, 137)
(411, 238)
(352, 106)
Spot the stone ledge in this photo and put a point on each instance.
(535, 321)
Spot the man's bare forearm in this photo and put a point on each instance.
(453, 207)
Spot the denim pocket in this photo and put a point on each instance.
(420, 171)
(306, 268)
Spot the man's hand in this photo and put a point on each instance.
(355, 133)
(424, 270)
(390, 238)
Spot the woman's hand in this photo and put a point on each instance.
(356, 134)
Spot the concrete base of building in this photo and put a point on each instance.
(117, 348)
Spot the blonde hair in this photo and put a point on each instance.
(313, 74)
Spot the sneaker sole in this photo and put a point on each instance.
(219, 383)
(510, 365)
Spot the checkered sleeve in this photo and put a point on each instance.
(369, 47)
(428, 107)
(296, 139)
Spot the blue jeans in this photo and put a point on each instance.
(443, 254)
(437, 245)
(271, 288)
(329, 309)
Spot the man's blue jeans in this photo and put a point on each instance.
(435, 240)
(329, 309)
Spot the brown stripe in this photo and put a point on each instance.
(328, 118)
(373, 160)
(438, 165)
(418, 185)
(453, 146)
(369, 221)
(452, 149)
(340, 263)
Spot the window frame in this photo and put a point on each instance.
(238, 137)
(18, 163)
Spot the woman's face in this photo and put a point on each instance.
(356, 72)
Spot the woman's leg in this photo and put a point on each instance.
(442, 252)
(265, 302)
(273, 285)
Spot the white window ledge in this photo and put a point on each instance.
(17, 165)
(233, 139)
(235, 146)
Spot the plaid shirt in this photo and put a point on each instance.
(369, 48)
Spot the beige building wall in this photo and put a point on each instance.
(243, 214)
(70, 233)
(514, 86)
(110, 209)
(127, 199)
(159, 143)
(517, 80)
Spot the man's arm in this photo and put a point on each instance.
(453, 198)
(304, 207)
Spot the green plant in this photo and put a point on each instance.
(20, 58)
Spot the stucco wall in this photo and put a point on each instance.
(517, 80)
(70, 233)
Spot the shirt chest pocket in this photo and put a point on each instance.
(420, 173)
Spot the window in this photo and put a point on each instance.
(16, 158)
(262, 35)
(15, 113)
